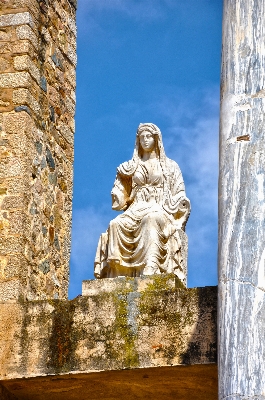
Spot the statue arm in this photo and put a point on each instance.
(121, 193)
(176, 203)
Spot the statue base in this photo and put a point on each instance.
(128, 284)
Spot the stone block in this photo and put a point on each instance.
(5, 48)
(6, 100)
(24, 63)
(18, 222)
(54, 96)
(66, 133)
(71, 76)
(5, 64)
(71, 54)
(24, 96)
(15, 80)
(17, 186)
(17, 5)
(13, 167)
(10, 290)
(14, 123)
(121, 284)
(72, 25)
(70, 105)
(6, 34)
(23, 46)
(4, 225)
(25, 32)
(11, 244)
(16, 19)
(13, 266)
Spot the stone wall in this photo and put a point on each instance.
(37, 105)
(136, 324)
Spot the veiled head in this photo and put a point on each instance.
(128, 168)
(148, 138)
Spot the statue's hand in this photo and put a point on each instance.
(97, 271)
(119, 199)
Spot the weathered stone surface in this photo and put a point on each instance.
(25, 32)
(36, 146)
(15, 80)
(24, 96)
(100, 286)
(157, 326)
(10, 290)
(16, 19)
(242, 203)
(24, 63)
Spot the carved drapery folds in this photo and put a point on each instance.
(149, 236)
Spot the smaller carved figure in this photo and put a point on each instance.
(149, 237)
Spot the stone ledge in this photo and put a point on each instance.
(196, 382)
(140, 284)
(122, 329)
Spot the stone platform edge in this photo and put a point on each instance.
(140, 323)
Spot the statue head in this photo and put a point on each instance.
(128, 168)
(148, 138)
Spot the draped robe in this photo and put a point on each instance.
(145, 239)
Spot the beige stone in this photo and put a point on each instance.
(24, 96)
(66, 132)
(4, 103)
(25, 32)
(4, 64)
(70, 105)
(14, 80)
(12, 202)
(36, 157)
(5, 34)
(10, 290)
(72, 25)
(13, 168)
(16, 19)
(114, 330)
(71, 54)
(23, 46)
(24, 63)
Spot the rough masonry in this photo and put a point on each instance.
(123, 324)
(37, 107)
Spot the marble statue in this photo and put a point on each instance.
(149, 236)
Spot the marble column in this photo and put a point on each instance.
(242, 203)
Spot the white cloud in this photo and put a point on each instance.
(143, 9)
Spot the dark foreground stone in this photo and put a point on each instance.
(196, 382)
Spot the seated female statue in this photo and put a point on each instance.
(148, 237)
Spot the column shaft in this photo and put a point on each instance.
(242, 202)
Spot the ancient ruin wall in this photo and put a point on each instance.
(127, 327)
(37, 105)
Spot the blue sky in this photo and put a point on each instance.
(146, 61)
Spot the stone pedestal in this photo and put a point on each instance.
(153, 282)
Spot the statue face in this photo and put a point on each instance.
(147, 141)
